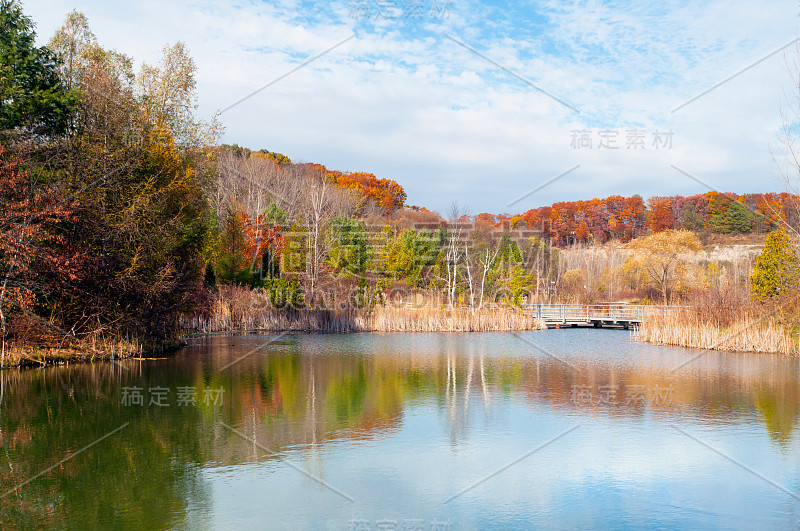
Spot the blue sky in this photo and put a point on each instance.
(406, 101)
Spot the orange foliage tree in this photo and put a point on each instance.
(612, 217)
(624, 218)
(264, 242)
(661, 216)
(582, 232)
(386, 193)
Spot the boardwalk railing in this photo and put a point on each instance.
(596, 314)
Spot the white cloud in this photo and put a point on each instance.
(406, 103)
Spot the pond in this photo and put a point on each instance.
(571, 428)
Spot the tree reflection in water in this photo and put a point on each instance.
(307, 393)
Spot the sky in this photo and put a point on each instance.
(498, 106)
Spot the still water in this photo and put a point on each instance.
(549, 429)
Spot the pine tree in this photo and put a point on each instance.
(32, 95)
(739, 218)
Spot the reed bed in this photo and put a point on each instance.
(237, 311)
(749, 332)
(402, 319)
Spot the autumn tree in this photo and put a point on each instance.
(689, 218)
(661, 216)
(171, 98)
(74, 44)
(664, 258)
(140, 212)
(623, 218)
(234, 261)
(279, 158)
(582, 232)
(386, 193)
(267, 239)
(777, 268)
(32, 254)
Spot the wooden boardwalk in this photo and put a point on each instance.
(597, 315)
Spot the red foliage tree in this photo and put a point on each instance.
(661, 216)
(262, 237)
(33, 256)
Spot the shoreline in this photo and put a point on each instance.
(381, 319)
(29, 356)
(747, 336)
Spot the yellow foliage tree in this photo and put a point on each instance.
(664, 259)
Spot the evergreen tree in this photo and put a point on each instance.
(235, 254)
(739, 218)
(348, 251)
(777, 267)
(735, 219)
(32, 95)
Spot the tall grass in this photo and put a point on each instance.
(240, 309)
(726, 323)
(403, 319)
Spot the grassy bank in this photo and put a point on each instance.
(14, 355)
(747, 330)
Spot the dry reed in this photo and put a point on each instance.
(242, 310)
(403, 319)
(749, 332)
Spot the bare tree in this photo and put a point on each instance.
(321, 202)
(789, 172)
(468, 267)
(487, 261)
(485, 247)
(303, 192)
(453, 250)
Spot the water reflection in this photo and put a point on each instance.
(369, 412)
